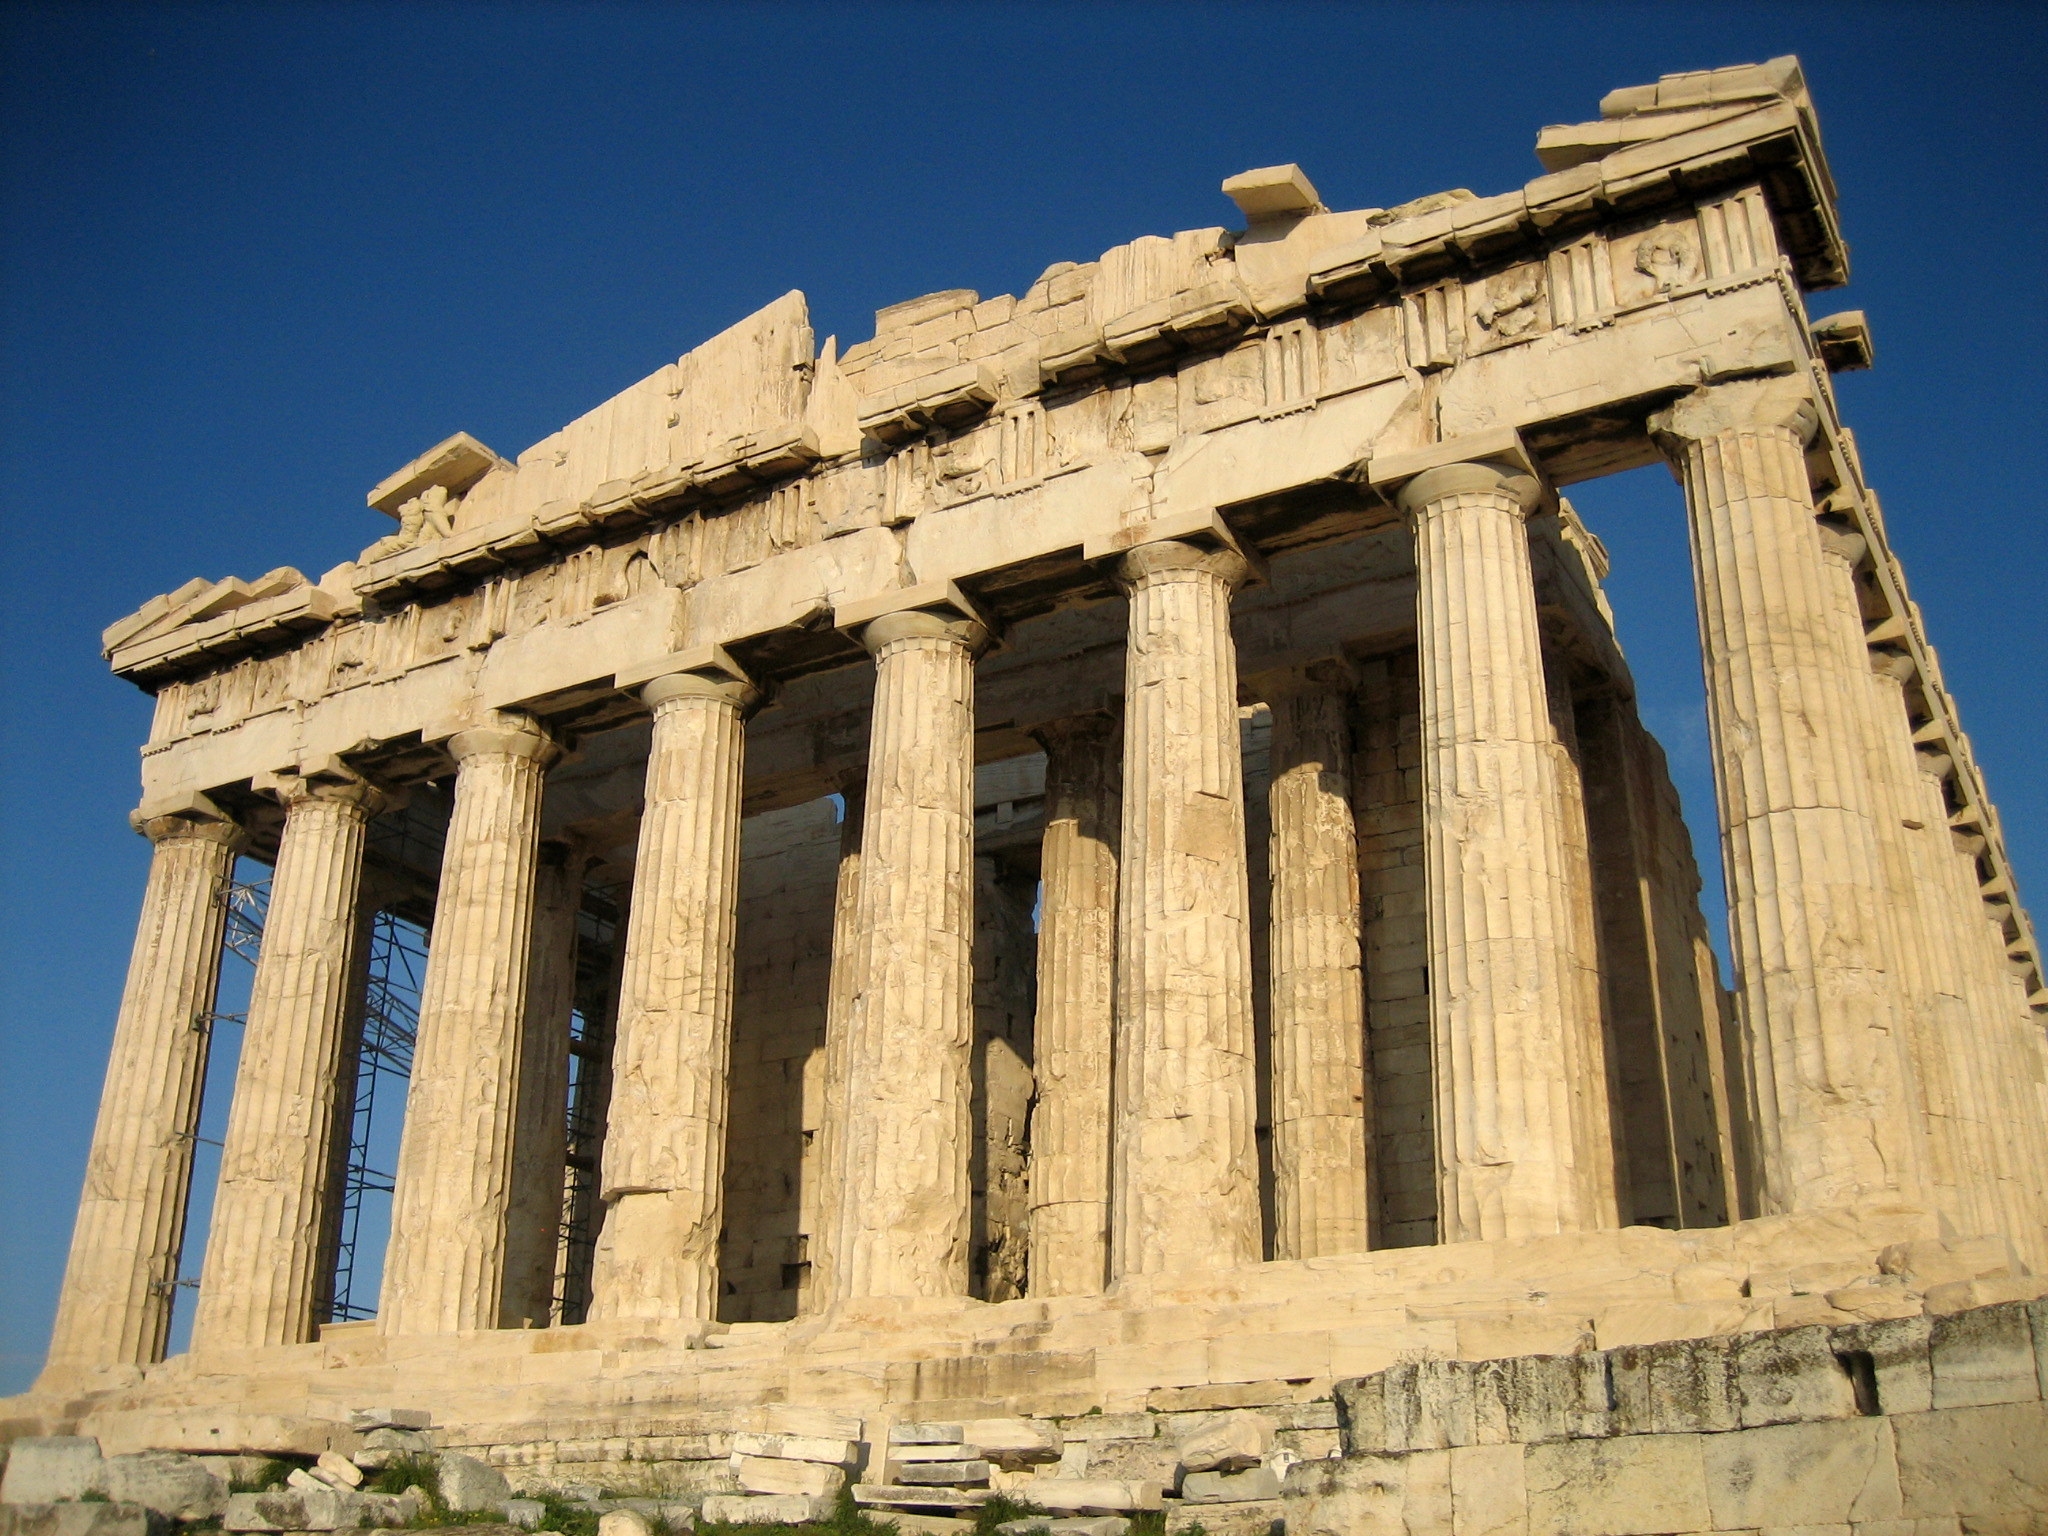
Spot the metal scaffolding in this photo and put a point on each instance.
(391, 1016)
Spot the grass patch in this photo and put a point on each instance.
(1002, 1507)
(559, 1514)
(847, 1519)
(407, 1472)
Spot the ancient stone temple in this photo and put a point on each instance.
(1105, 863)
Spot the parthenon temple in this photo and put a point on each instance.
(1087, 847)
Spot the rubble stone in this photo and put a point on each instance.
(76, 1519)
(469, 1484)
(1230, 1442)
(767, 1508)
(46, 1469)
(178, 1486)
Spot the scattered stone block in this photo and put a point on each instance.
(47, 1469)
(76, 1519)
(390, 1418)
(1056, 1525)
(817, 1423)
(527, 1514)
(765, 1474)
(899, 1454)
(1093, 1495)
(624, 1522)
(925, 1498)
(467, 1483)
(305, 1481)
(294, 1509)
(177, 1486)
(1982, 1357)
(1230, 1487)
(1230, 1442)
(926, 1434)
(338, 1471)
(767, 1509)
(940, 1473)
(1014, 1443)
(384, 1447)
(797, 1448)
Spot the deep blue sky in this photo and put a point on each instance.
(256, 258)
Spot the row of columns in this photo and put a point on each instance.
(1144, 954)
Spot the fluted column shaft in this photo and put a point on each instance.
(905, 1211)
(1504, 992)
(115, 1308)
(1603, 1187)
(1321, 1129)
(842, 984)
(1185, 1159)
(445, 1269)
(533, 1218)
(1806, 889)
(265, 1245)
(1948, 1107)
(664, 1151)
(1074, 1030)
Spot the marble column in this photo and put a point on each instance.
(1185, 1159)
(1821, 1019)
(1503, 981)
(1321, 1126)
(264, 1248)
(540, 1137)
(444, 1271)
(1073, 1031)
(115, 1308)
(1603, 1184)
(1946, 1108)
(905, 1213)
(664, 1151)
(842, 983)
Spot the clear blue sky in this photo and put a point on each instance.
(257, 257)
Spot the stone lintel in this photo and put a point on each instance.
(1203, 526)
(454, 464)
(1844, 341)
(1497, 445)
(925, 596)
(1273, 192)
(189, 803)
(710, 658)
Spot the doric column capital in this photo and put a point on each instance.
(933, 610)
(1743, 405)
(676, 687)
(700, 672)
(507, 734)
(1165, 557)
(1470, 478)
(194, 817)
(330, 785)
(1841, 545)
